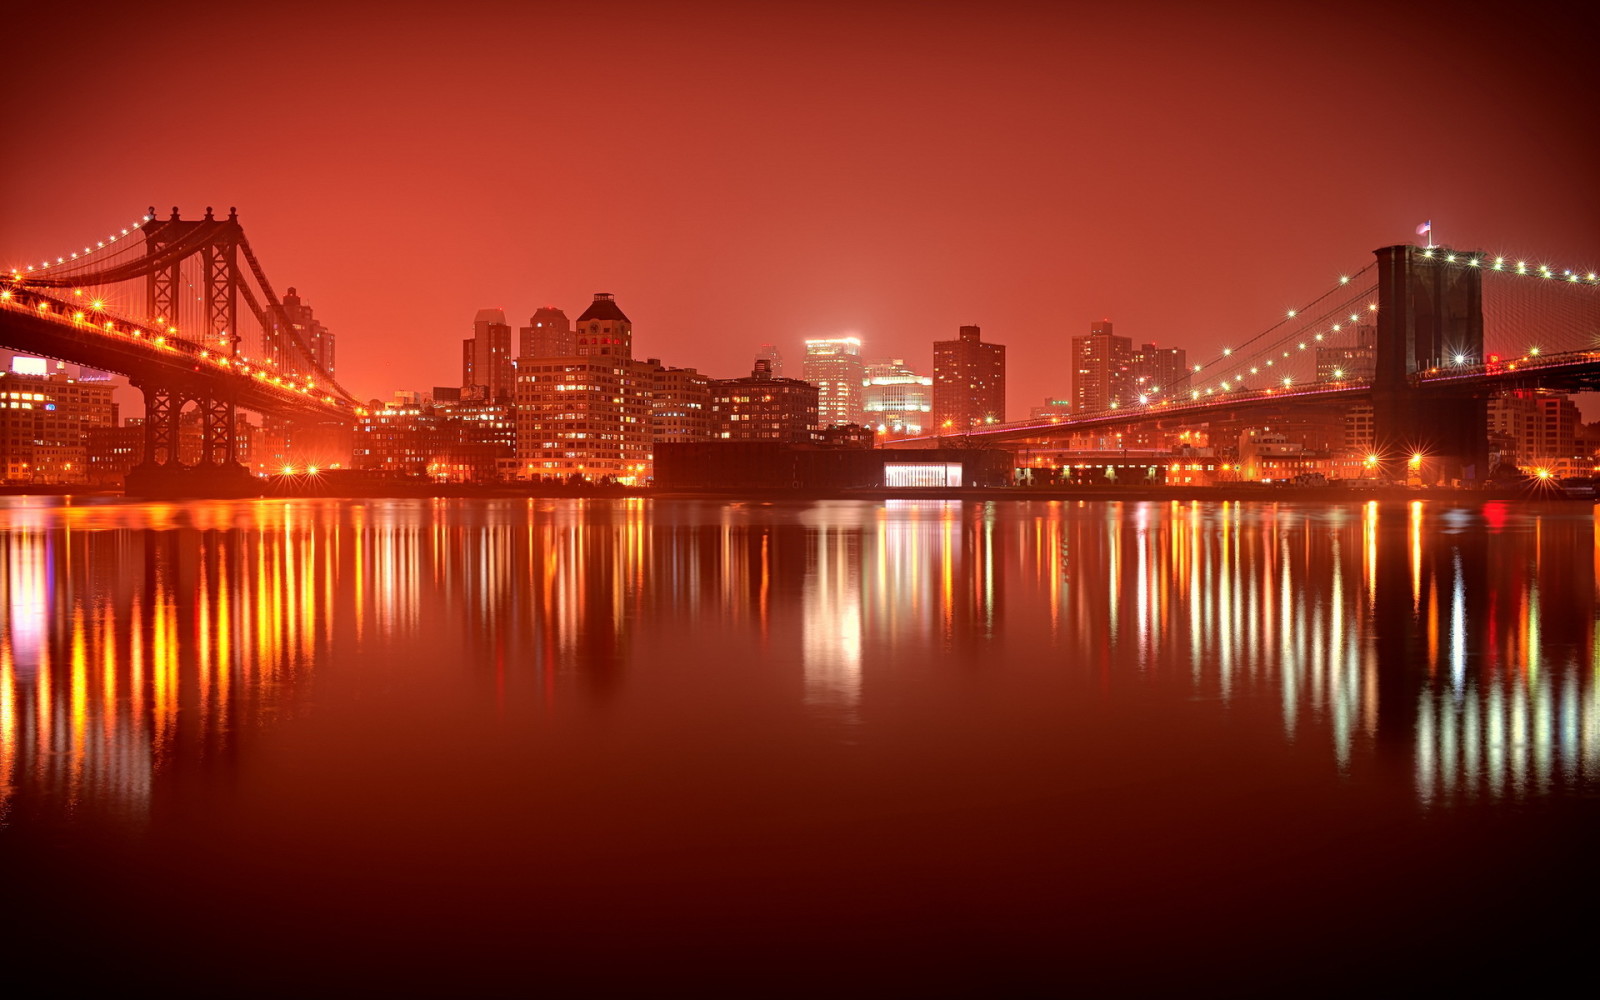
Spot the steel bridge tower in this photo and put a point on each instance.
(168, 243)
(1428, 313)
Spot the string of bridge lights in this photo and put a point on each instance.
(1236, 379)
(75, 255)
(81, 317)
(1519, 267)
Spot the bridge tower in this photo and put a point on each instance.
(1428, 313)
(216, 243)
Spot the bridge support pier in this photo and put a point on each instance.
(1450, 435)
(163, 474)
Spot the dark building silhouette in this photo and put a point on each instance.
(1160, 371)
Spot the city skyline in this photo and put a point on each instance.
(1198, 216)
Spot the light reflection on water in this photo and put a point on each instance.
(138, 634)
(630, 743)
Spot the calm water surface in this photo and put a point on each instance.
(902, 747)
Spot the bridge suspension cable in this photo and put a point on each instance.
(1327, 340)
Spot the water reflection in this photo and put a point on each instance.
(1460, 641)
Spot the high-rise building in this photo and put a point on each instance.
(318, 340)
(587, 414)
(1157, 372)
(895, 399)
(547, 335)
(486, 369)
(833, 365)
(763, 408)
(1102, 363)
(969, 382)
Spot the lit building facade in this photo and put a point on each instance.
(833, 365)
(397, 438)
(45, 420)
(764, 408)
(476, 440)
(969, 382)
(680, 404)
(896, 400)
(587, 414)
(486, 369)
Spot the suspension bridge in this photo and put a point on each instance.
(159, 302)
(1424, 335)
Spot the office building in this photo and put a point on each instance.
(833, 365)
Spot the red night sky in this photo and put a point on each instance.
(740, 173)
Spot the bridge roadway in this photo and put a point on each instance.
(1569, 370)
(61, 326)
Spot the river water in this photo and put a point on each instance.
(768, 748)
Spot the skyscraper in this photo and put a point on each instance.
(486, 370)
(969, 382)
(833, 365)
(1101, 367)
